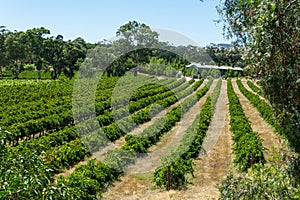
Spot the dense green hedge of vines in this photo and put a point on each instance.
(179, 162)
(247, 145)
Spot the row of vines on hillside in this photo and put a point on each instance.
(179, 163)
(87, 181)
(263, 108)
(60, 150)
(54, 118)
(254, 88)
(247, 146)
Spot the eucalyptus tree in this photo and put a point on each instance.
(64, 56)
(53, 54)
(35, 38)
(16, 48)
(71, 53)
(80, 41)
(3, 53)
(226, 55)
(136, 36)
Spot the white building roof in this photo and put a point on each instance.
(213, 67)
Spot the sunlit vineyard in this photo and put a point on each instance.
(47, 154)
(150, 113)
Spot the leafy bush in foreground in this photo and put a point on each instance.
(279, 180)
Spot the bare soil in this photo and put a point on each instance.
(270, 140)
(142, 127)
(169, 141)
(210, 168)
(244, 82)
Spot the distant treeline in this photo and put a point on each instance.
(35, 54)
(35, 49)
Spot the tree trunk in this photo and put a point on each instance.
(39, 74)
(54, 74)
(17, 72)
(135, 71)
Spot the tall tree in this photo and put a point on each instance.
(53, 54)
(63, 56)
(3, 53)
(35, 39)
(72, 52)
(137, 34)
(16, 51)
(226, 55)
(80, 41)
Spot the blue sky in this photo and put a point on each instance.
(95, 20)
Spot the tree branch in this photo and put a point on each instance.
(291, 3)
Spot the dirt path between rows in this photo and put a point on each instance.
(255, 81)
(170, 140)
(265, 131)
(142, 127)
(100, 155)
(214, 162)
(244, 82)
(209, 170)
